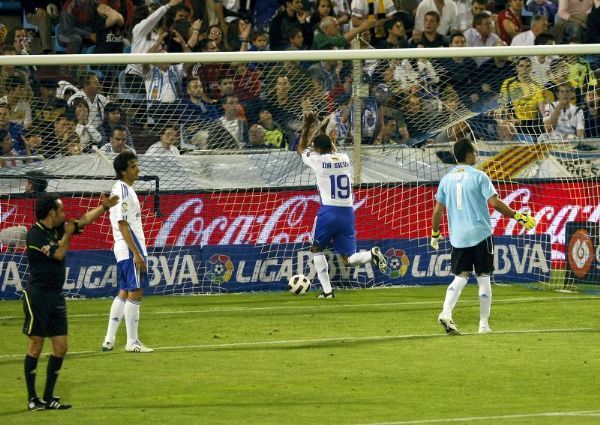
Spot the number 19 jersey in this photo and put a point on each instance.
(334, 177)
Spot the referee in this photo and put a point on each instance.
(43, 302)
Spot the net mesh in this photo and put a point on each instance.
(228, 205)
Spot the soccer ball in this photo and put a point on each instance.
(298, 284)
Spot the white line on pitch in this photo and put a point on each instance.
(301, 342)
(496, 417)
(321, 305)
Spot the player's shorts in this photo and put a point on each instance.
(335, 224)
(479, 257)
(45, 313)
(129, 278)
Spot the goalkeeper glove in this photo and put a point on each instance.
(525, 219)
(435, 240)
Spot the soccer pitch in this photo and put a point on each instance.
(365, 357)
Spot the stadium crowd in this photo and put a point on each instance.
(169, 109)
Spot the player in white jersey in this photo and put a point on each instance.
(466, 192)
(335, 219)
(131, 255)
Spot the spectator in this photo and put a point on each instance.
(117, 141)
(539, 25)
(62, 141)
(114, 117)
(481, 35)
(540, 65)
(592, 30)
(323, 8)
(292, 15)
(461, 74)
(198, 106)
(146, 33)
(430, 35)
(16, 98)
(231, 132)
(238, 35)
(256, 137)
(76, 26)
(22, 41)
(259, 43)
(36, 12)
(37, 182)
(88, 134)
(523, 98)
(16, 131)
(396, 35)
(466, 14)
(7, 151)
(215, 34)
(164, 86)
(447, 16)
(330, 36)
(364, 10)
(111, 19)
(275, 137)
(166, 144)
(591, 113)
(545, 8)
(572, 20)
(562, 117)
(12, 71)
(326, 73)
(509, 21)
(47, 107)
(91, 94)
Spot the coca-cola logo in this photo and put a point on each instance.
(287, 222)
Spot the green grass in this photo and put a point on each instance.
(368, 356)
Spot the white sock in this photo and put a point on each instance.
(117, 310)
(323, 272)
(452, 294)
(362, 257)
(485, 299)
(132, 317)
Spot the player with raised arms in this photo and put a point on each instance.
(465, 193)
(131, 255)
(335, 219)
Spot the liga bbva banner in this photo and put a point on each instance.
(238, 268)
(583, 251)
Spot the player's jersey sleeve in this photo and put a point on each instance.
(487, 188)
(120, 211)
(441, 192)
(310, 158)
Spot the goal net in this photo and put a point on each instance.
(228, 205)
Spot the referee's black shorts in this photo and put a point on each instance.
(45, 313)
(479, 257)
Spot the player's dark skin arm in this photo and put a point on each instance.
(305, 140)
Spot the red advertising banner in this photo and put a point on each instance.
(274, 216)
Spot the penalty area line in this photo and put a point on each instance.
(582, 413)
(318, 305)
(317, 341)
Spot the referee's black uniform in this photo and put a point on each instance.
(44, 307)
(43, 301)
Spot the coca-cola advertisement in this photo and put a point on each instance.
(257, 217)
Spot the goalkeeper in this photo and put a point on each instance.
(466, 192)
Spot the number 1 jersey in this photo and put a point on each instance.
(334, 177)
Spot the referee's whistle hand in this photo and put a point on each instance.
(70, 227)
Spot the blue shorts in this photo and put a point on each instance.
(335, 224)
(129, 278)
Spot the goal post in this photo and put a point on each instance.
(234, 211)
